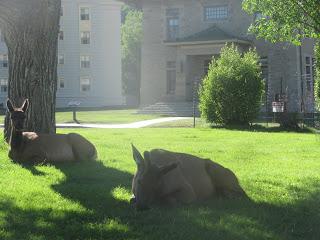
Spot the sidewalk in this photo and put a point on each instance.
(139, 124)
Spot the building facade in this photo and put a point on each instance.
(89, 54)
(182, 36)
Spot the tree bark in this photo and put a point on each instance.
(31, 34)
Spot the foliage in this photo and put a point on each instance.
(231, 92)
(90, 200)
(131, 35)
(283, 20)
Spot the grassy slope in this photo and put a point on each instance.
(279, 171)
(107, 116)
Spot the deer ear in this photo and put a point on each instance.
(137, 156)
(25, 105)
(165, 169)
(10, 106)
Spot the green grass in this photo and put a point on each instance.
(279, 171)
(106, 116)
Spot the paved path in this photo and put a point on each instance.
(139, 124)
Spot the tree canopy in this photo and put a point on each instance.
(131, 35)
(285, 20)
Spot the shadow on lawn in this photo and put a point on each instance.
(91, 185)
(261, 128)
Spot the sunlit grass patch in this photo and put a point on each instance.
(90, 200)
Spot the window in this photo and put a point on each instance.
(61, 11)
(85, 37)
(85, 61)
(265, 77)
(4, 60)
(172, 15)
(84, 14)
(216, 13)
(61, 59)
(4, 85)
(61, 35)
(85, 84)
(171, 77)
(61, 82)
(309, 72)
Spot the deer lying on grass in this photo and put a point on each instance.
(30, 147)
(165, 177)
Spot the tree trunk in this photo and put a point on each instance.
(31, 36)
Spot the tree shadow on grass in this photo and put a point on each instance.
(298, 219)
(261, 128)
(92, 185)
(215, 219)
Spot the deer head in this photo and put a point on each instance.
(148, 179)
(17, 115)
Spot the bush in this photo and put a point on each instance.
(231, 92)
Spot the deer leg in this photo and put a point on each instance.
(184, 194)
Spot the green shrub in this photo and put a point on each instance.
(231, 92)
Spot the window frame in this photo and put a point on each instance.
(64, 59)
(217, 12)
(4, 85)
(4, 59)
(83, 42)
(172, 31)
(84, 66)
(85, 14)
(171, 68)
(63, 81)
(81, 84)
(309, 77)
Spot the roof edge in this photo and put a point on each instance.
(180, 43)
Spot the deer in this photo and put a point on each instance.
(168, 178)
(31, 147)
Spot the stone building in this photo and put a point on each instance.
(181, 36)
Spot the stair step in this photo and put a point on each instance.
(183, 109)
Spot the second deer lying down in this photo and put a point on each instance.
(30, 147)
(165, 177)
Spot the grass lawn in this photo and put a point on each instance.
(105, 116)
(279, 171)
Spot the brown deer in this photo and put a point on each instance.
(30, 147)
(165, 177)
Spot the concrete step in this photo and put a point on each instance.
(183, 109)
